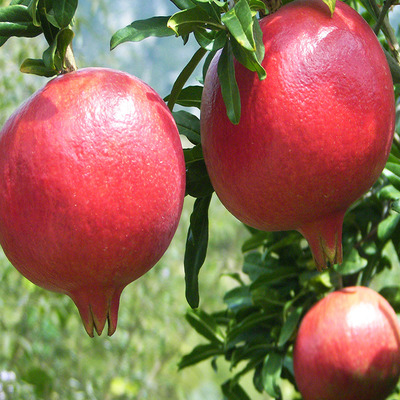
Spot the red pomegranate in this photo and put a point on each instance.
(348, 347)
(92, 182)
(313, 136)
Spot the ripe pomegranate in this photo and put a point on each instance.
(92, 181)
(348, 347)
(313, 136)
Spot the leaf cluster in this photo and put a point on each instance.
(53, 19)
(256, 330)
(234, 31)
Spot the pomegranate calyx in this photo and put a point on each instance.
(324, 237)
(98, 307)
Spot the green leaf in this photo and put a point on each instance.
(249, 59)
(229, 87)
(142, 29)
(196, 249)
(238, 298)
(260, 48)
(257, 5)
(32, 9)
(64, 11)
(352, 263)
(393, 178)
(37, 67)
(388, 226)
(273, 275)
(253, 320)
(47, 23)
(186, 21)
(200, 353)
(396, 206)
(388, 192)
(210, 40)
(392, 171)
(239, 21)
(184, 76)
(256, 240)
(233, 392)
(54, 56)
(392, 295)
(271, 373)
(193, 154)
(190, 96)
(15, 13)
(16, 20)
(198, 182)
(183, 4)
(188, 125)
(290, 325)
(19, 29)
(331, 4)
(205, 325)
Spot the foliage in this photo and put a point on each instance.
(255, 330)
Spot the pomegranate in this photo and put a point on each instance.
(313, 136)
(348, 347)
(92, 182)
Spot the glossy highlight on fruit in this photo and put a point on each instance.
(92, 182)
(348, 347)
(313, 136)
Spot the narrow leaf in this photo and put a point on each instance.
(193, 154)
(36, 67)
(289, 326)
(64, 11)
(210, 40)
(186, 21)
(229, 87)
(184, 76)
(199, 354)
(198, 182)
(64, 39)
(248, 58)
(258, 38)
(190, 96)
(233, 392)
(388, 226)
(205, 325)
(352, 263)
(239, 297)
(20, 29)
(392, 295)
(183, 4)
(15, 13)
(196, 249)
(254, 320)
(32, 9)
(274, 275)
(188, 125)
(271, 373)
(142, 29)
(239, 21)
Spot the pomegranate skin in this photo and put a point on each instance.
(313, 136)
(348, 347)
(92, 182)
